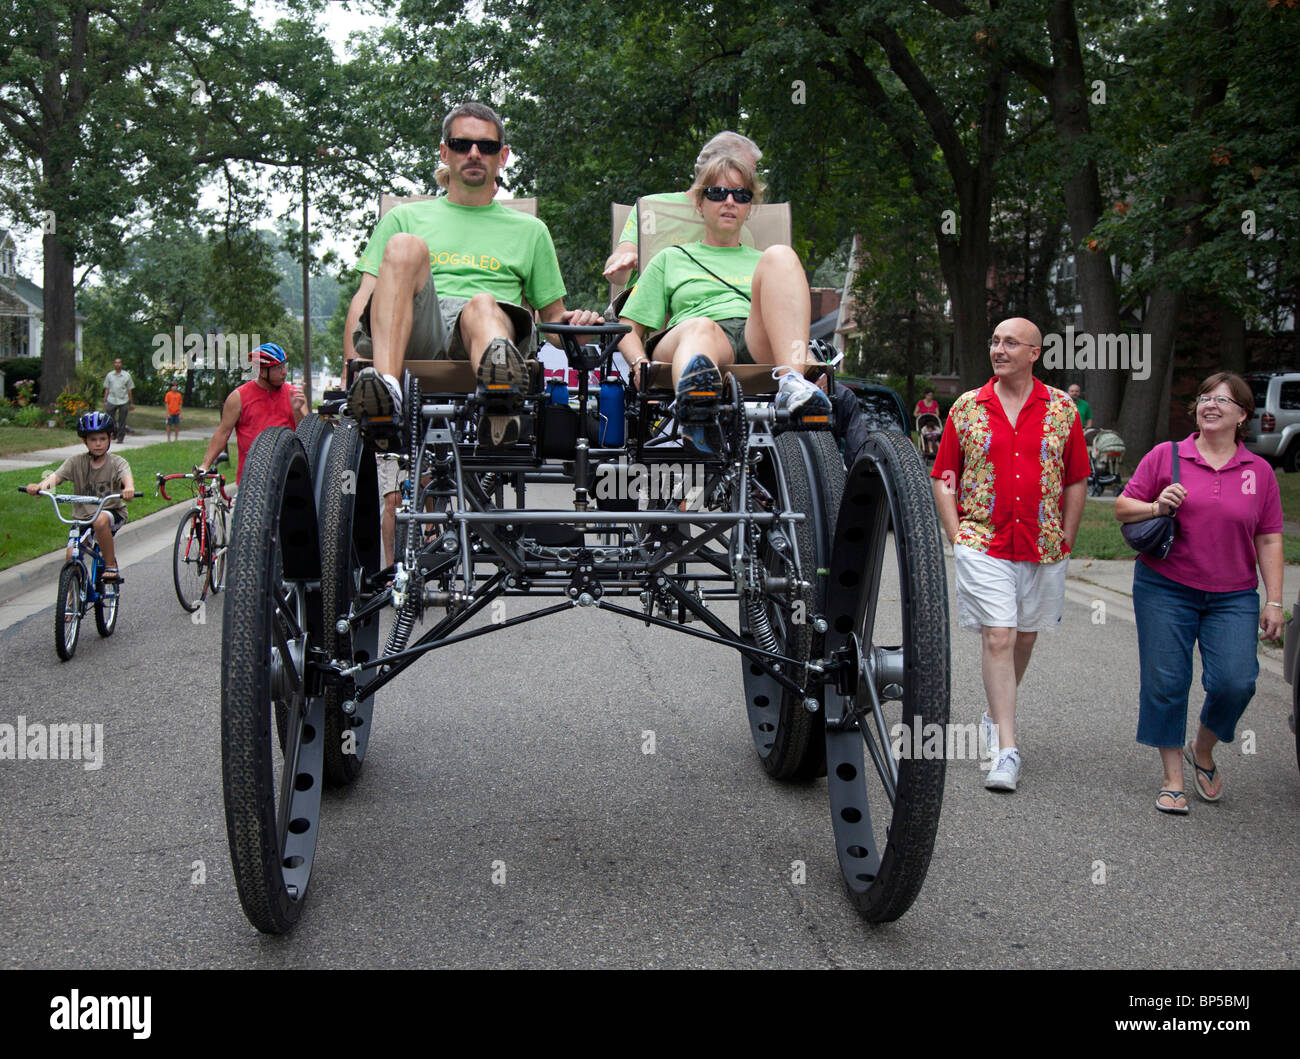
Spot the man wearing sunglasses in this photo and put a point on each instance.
(1009, 483)
(445, 278)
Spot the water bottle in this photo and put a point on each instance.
(613, 423)
(559, 391)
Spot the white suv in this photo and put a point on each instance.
(1274, 430)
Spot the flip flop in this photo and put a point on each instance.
(1204, 777)
(1174, 809)
(110, 576)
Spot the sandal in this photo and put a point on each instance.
(1204, 777)
(1174, 808)
(110, 576)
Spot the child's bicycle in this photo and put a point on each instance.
(202, 538)
(81, 583)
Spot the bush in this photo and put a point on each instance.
(19, 369)
(32, 415)
(69, 408)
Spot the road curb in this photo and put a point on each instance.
(44, 569)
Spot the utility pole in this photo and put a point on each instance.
(306, 297)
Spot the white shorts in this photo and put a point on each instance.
(388, 472)
(1008, 594)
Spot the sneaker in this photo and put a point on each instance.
(1005, 774)
(700, 384)
(503, 377)
(798, 395)
(990, 731)
(503, 372)
(373, 396)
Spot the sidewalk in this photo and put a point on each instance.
(134, 440)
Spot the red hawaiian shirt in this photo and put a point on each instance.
(1009, 479)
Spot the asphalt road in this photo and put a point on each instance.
(526, 748)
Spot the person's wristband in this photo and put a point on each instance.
(1270, 603)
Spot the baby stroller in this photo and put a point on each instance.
(1106, 449)
(930, 429)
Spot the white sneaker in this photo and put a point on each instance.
(1005, 774)
(796, 393)
(990, 731)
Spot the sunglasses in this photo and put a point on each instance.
(715, 193)
(485, 147)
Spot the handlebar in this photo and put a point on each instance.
(193, 476)
(73, 498)
(585, 329)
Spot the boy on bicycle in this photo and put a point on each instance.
(96, 472)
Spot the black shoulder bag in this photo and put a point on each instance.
(1154, 536)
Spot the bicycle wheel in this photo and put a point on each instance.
(67, 609)
(106, 610)
(789, 739)
(272, 622)
(218, 541)
(350, 553)
(887, 607)
(189, 561)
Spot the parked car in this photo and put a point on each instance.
(1274, 430)
(881, 405)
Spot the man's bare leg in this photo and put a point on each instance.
(1001, 669)
(403, 272)
(482, 320)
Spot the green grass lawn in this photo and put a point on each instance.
(29, 526)
(15, 440)
(154, 417)
(1100, 536)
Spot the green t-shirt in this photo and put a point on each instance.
(676, 286)
(475, 249)
(631, 234)
(1085, 411)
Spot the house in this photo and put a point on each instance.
(22, 308)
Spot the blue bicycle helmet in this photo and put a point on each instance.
(95, 423)
(269, 355)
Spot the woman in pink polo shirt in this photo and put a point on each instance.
(1229, 521)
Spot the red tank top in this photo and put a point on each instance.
(258, 409)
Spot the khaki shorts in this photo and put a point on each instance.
(435, 328)
(1005, 593)
(734, 329)
(389, 473)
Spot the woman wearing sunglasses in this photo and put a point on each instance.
(1229, 520)
(725, 303)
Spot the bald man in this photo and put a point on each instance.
(1009, 483)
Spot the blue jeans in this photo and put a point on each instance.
(1170, 619)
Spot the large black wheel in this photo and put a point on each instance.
(190, 561)
(271, 627)
(67, 610)
(106, 610)
(887, 605)
(314, 433)
(350, 554)
(808, 475)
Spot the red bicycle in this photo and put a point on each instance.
(202, 538)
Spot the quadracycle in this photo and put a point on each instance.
(830, 586)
